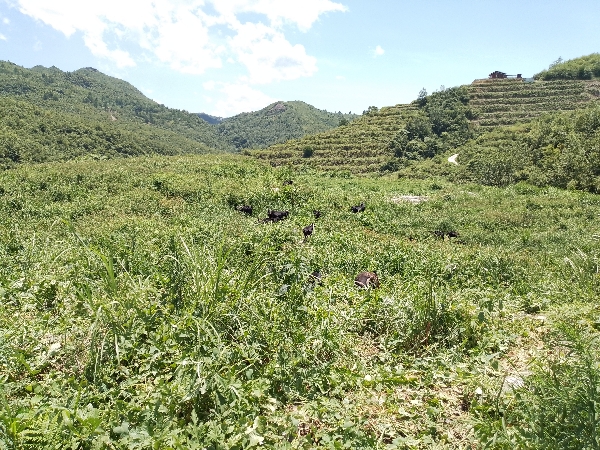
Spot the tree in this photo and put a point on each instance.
(371, 110)
(556, 63)
(422, 98)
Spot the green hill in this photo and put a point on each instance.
(383, 137)
(510, 101)
(30, 133)
(391, 138)
(278, 122)
(90, 98)
(583, 68)
(95, 96)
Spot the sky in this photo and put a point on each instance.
(225, 57)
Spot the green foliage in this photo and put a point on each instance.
(555, 150)
(371, 110)
(307, 152)
(278, 122)
(140, 309)
(558, 407)
(582, 68)
(442, 122)
(32, 134)
(96, 97)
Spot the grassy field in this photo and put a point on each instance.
(141, 310)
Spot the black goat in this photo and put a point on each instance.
(358, 208)
(246, 209)
(308, 230)
(276, 216)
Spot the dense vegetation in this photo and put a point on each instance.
(141, 310)
(88, 99)
(278, 122)
(393, 137)
(560, 150)
(29, 133)
(96, 97)
(582, 68)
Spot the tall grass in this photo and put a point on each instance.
(142, 310)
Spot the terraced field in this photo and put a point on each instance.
(361, 146)
(364, 145)
(511, 101)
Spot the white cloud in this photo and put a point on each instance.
(193, 36)
(239, 97)
(378, 51)
(5, 20)
(185, 34)
(2, 37)
(268, 56)
(302, 13)
(209, 85)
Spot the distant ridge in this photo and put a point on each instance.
(213, 120)
(112, 113)
(279, 122)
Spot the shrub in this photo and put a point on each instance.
(307, 152)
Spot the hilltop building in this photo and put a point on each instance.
(501, 75)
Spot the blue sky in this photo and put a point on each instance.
(225, 57)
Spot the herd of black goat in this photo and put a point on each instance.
(364, 279)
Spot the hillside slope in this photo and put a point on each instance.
(278, 122)
(95, 96)
(382, 138)
(369, 143)
(510, 101)
(32, 134)
(582, 68)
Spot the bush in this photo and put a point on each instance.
(307, 152)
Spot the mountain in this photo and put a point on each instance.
(92, 95)
(213, 120)
(278, 122)
(87, 99)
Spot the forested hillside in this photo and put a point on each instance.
(87, 99)
(99, 98)
(278, 122)
(29, 133)
(583, 68)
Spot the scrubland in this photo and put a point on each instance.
(141, 310)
